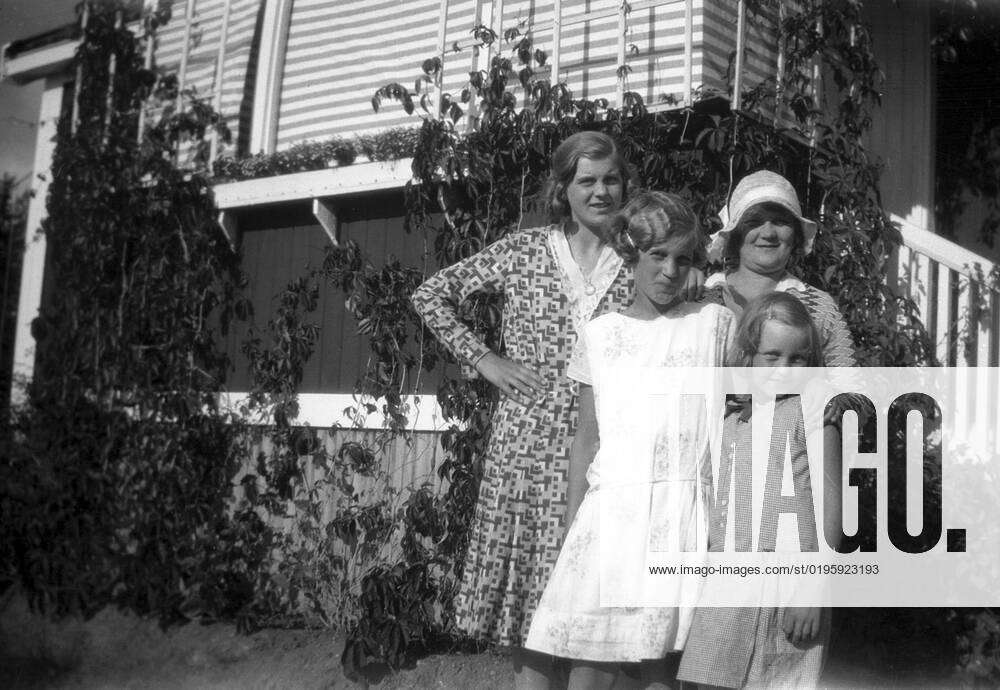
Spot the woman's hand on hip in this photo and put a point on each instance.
(515, 380)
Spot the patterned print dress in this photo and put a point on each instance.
(738, 647)
(519, 521)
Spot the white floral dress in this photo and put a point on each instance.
(570, 620)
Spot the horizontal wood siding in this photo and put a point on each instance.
(339, 53)
(281, 243)
(760, 53)
(206, 32)
(407, 462)
(405, 465)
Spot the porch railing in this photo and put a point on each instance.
(956, 292)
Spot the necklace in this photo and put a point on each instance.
(571, 265)
(588, 286)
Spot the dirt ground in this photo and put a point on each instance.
(116, 650)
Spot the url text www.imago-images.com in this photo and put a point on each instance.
(816, 487)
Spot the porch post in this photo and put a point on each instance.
(33, 271)
(270, 70)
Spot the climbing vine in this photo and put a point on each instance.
(393, 144)
(117, 477)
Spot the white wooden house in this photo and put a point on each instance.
(288, 71)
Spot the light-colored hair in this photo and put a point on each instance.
(592, 145)
(652, 218)
(774, 306)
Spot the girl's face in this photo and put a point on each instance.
(660, 274)
(595, 193)
(782, 345)
(768, 247)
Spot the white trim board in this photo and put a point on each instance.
(33, 265)
(340, 181)
(324, 410)
(38, 63)
(270, 70)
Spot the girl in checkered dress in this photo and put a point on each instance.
(766, 647)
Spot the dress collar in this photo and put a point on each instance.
(788, 282)
(600, 279)
(584, 292)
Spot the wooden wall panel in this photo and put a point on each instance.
(902, 133)
(280, 243)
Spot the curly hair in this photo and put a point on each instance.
(592, 145)
(776, 306)
(652, 218)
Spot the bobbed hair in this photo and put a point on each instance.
(774, 306)
(592, 145)
(651, 218)
(754, 217)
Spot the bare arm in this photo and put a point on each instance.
(694, 285)
(832, 480)
(803, 624)
(838, 346)
(582, 452)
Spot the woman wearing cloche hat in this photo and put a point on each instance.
(764, 234)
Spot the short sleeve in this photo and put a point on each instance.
(579, 362)
(838, 346)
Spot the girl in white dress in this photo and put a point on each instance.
(659, 236)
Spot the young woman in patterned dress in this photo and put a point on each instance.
(553, 279)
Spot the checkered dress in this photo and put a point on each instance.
(747, 647)
(518, 525)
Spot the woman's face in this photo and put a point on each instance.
(768, 247)
(595, 193)
(660, 273)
